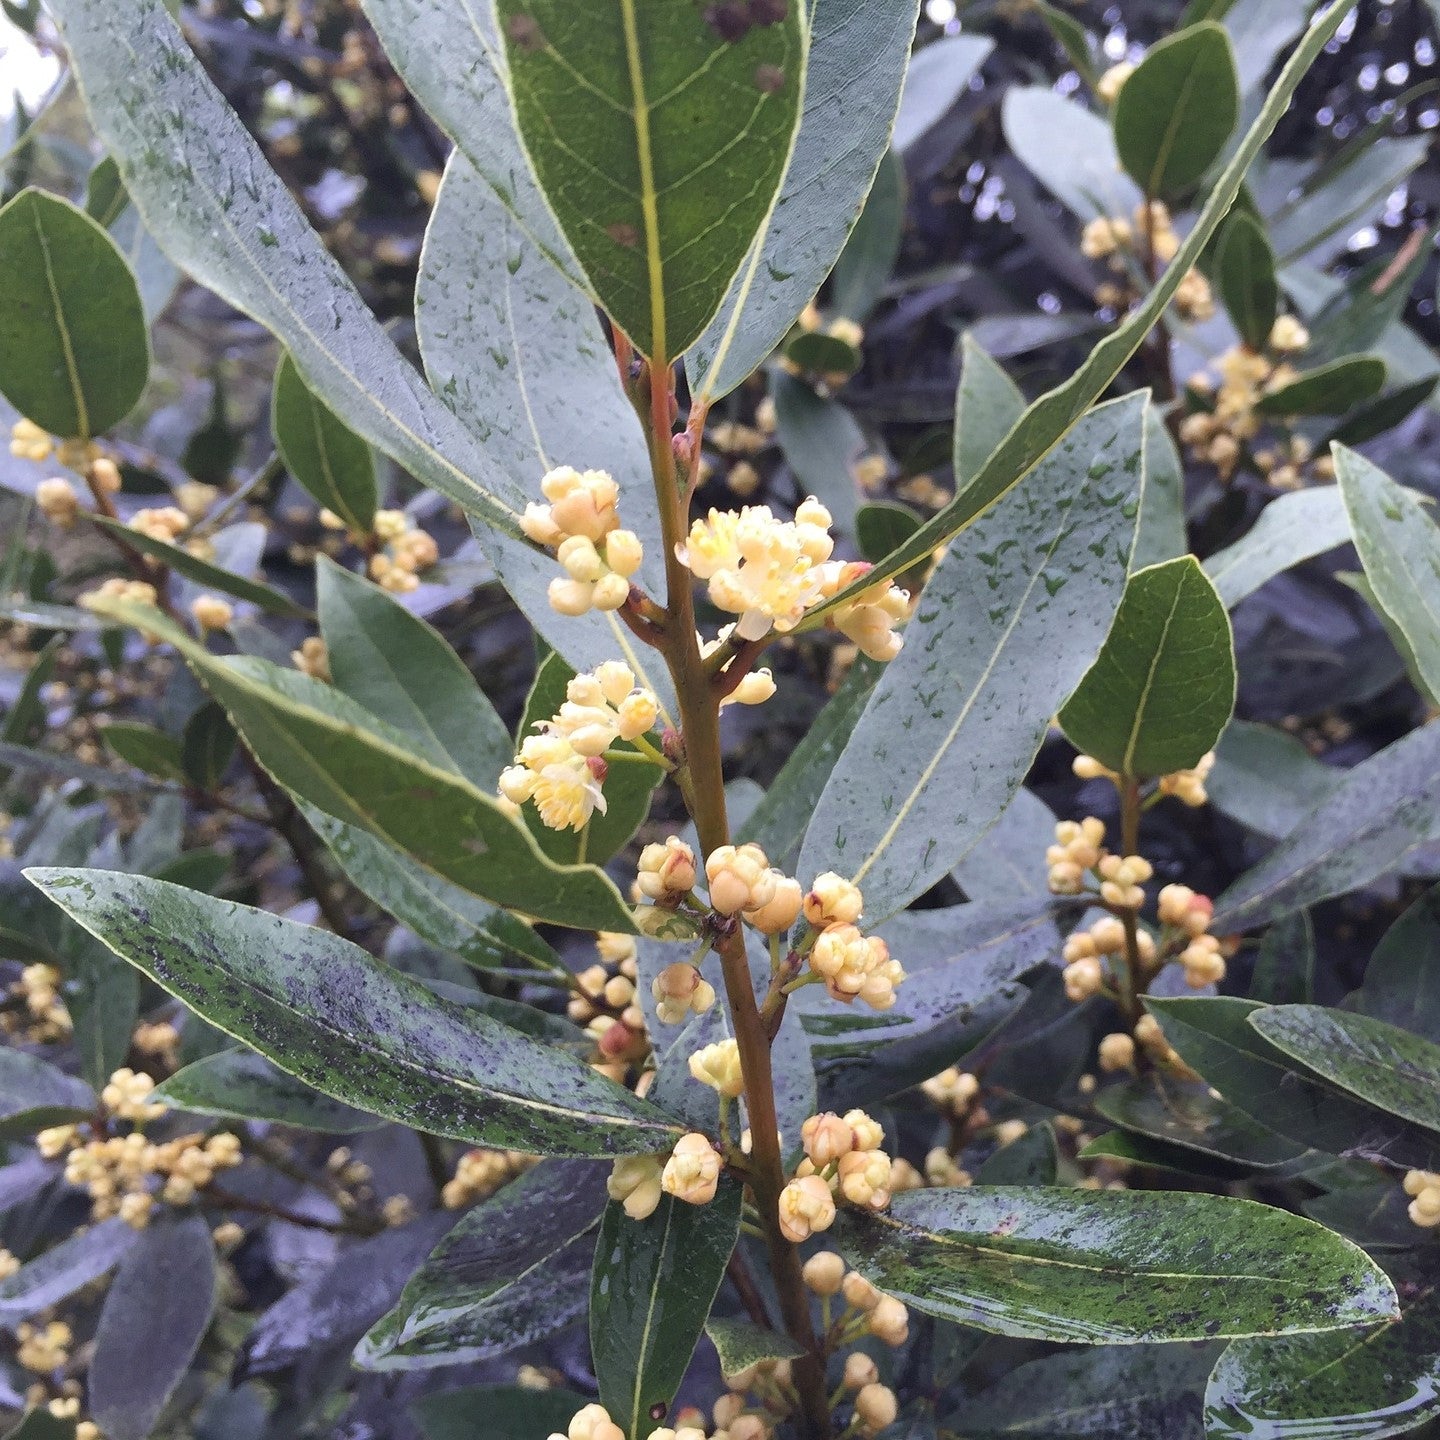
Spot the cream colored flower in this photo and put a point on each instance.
(718, 1066)
(806, 1207)
(635, 1183)
(692, 1172)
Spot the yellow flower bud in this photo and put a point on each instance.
(806, 1207)
(692, 1172)
(635, 1183)
(824, 1273)
(833, 900)
(780, 911)
(718, 1066)
(889, 1321)
(875, 1408)
(826, 1137)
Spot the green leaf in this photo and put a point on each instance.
(401, 670)
(1112, 1266)
(1267, 779)
(520, 356)
(1402, 980)
(1161, 534)
(202, 572)
(155, 1314)
(1361, 585)
(1245, 277)
(821, 441)
(987, 405)
(1388, 1067)
(1186, 1115)
(1291, 528)
(1379, 812)
(868, 260)
(146, 748)
(1327, 390)
(880, 527)
(1214, 1037)
(660, 142)
(493, 1247)
(324, 1011)
(1399, 546)
(1073, 39)
(35, 1095)
(1163, 686)
(208, 197)
(859, 53)
(242, 1085)
(437, 911)
(777, 824)
(326, 750)
(26, 717)
(1030, 1160)
(325, 457)
(207, 746)
(496, 1412)
(1004, 631)
(740, 1344)
(74, 350)
(1357, 1385)
(1285, 965)
(1054, 413)
(1175, 114)
(40, 1424)
(650, 1296)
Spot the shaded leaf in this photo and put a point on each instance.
(59, 1272)
(34, 1094)
(155, 1314)
(354, 1029)
(650, 1295)
(1174, 115)
(146, 748)
(1112, 1266)
(1285, 965)
(1245, 277)
(1402, 980)
(1030, 1160)
(74, 350)
(207, 746)
(987, 405)
(821, 441)
(1070, 150)
(323, 455)
(1291, 528)
(1163, 686)
(1328, 390)
(1161, 535)
(244, 1085)
(659, 184)
(496, 1412)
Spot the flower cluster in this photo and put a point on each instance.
(605, 1003)
(43, 1017)
(690, 1173)
(1187, 786)
(210, 612)
(1149, 236)
(885, 1317)
(312, 659)
(581, 525)
(868, 620)
(166, 523)
(853, 966)
(562, 768)
(118, 1171)
(842, 1158)
(680, 990)
(666, 873)
(479, 1174)
(130, 592)
(1187, 917)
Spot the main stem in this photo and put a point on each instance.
(700, 726)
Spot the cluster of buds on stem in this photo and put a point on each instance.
(562, 768)
(479, 1174)
(844, 1160)
(605, 1002)
(1148, 239)
(742, 881)
(1187, 786)
(853, 966)
(42, 1017)
(1423, 1188)
(581, 524)
(880, 1315)
(691, 1173)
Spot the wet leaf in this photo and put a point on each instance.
(1174, 115)
(1291, 528)
(1163, 686)
(1161, 535)
(659, 184)
(74, 349)
(352, 1028)
(650, 1295)
(1006, 627)
(740, 1344)
(1355, 1385)
(496, 1412)
(1112, 1266)
(244, 1085)
(987, 404)
(1384, 1065)
(1030, 1160)
(324, 456)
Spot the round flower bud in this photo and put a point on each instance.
(571, 597)
(889, 1321)
(755, 689)
(1083, 978)
(780, 911)
(826, 1137)
(678, 990)
(860, 1370)
(211, 612)
(1117, 1052)
(580, 559)
(1417, 1180)
(623, 552)
(611, 592)
(692, 1172)
(824, 1273)
(635, 1183)
(859, 1292)
(594, 1423)
(667, 871)
(806, 1207)
(58, 501)
(869, 1134)
(1288, 334)
(1108, 935)
(638, 713)
(739, 878)
(875, 1408)
(833, 900)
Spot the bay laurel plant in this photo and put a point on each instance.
(732, 1144)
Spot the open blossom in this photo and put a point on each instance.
(581, 525)
(718, 1066)
(870, 618)
(561, 769)
(765, 570)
